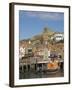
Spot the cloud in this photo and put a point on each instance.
(46, 15)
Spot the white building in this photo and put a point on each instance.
(46, 54)
(58, 36)
(21, 52)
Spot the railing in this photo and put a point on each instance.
(36, 60)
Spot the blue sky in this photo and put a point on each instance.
(33, 22)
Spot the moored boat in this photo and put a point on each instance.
(53, 66)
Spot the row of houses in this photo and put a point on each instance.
(43, 52)
(27, 46)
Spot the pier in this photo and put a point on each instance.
(37, 64)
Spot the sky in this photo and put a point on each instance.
(33, 22)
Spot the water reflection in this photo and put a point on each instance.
(34, 74)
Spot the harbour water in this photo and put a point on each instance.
(41, 74)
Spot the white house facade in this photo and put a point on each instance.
(21, 52)
(58, 36)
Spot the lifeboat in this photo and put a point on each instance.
(53, 66)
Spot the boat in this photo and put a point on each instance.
(53, 66)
